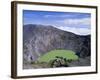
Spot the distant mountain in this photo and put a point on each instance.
(39, 39)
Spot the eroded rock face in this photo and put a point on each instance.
(39, 39)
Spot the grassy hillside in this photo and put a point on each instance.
(61, 53)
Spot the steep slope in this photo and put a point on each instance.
(40, 39)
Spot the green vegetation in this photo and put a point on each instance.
(67, 54)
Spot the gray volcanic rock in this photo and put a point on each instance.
(81, 62)
(39, 39)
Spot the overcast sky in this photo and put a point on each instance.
(79, 23)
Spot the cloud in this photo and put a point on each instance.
(79, 31)
(59, 16)
(71, 20)
(76, 21)
(47, 16)
(80, 26)
(86, 22)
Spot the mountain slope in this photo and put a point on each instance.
(40, 39)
